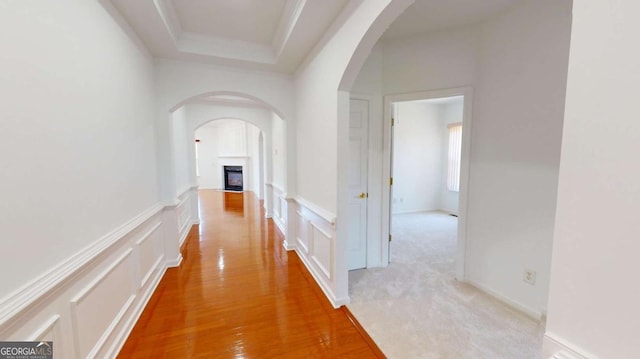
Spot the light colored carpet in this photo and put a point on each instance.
(416, 309)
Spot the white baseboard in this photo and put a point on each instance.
(554, 347)
(185, 232)
(176, 262)
(287, 246)
(534, 314)
(280, 225)
(335, 301)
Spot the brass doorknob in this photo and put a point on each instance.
(363, 195)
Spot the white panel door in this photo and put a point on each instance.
(358, 157)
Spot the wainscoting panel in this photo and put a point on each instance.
(88, 304)
(149, 253)
(315, 239)
(184, 215)
(279, 208)
(322, 253)
(46, 332)
(302, 232)
(93, 316)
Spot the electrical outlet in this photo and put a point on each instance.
(529, 276)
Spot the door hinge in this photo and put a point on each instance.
(389, 237)
(390, 181)
(393, 121)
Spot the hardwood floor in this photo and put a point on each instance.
(239, 294)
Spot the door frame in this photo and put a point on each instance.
(467, 92)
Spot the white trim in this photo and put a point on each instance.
(533, 313)
(119, 341)
(411, 211)
(280, 225)
(288, 21)
(170, 204)
(287, 246)
(555, 347)
(335, 301)
(321, 212)
(328, 272)
(148, 234)
(149, 273)
(185, 233)
(183, 191)
(467, 92)
(48, 326)
(172, 263)
(86, 291)
(209, 187)
(276, 187)
(35, 292)
(91, 286)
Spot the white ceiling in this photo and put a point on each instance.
(245, 20)
(272, 34)
(265, 34)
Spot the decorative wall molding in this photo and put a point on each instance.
(183, 211)
(89, 337)
(322, 252)
(315, 246)
(46, 332)
(276, 187)
(89, 303)
(302, 232)
(34, 292)
(326, 215)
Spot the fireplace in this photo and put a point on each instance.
(233, 178)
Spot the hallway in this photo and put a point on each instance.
(239, 294)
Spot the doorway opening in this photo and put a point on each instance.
(426, 155)
(426, 151)
(229, 156)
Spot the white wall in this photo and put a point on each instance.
(77, 132)
(82, 220)
(450, 113)
(517, 127)
(593, 300)
(417, 158)
(436, 61)
(253, 152)
(516, 63)
(278, 142)
(181, 139)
